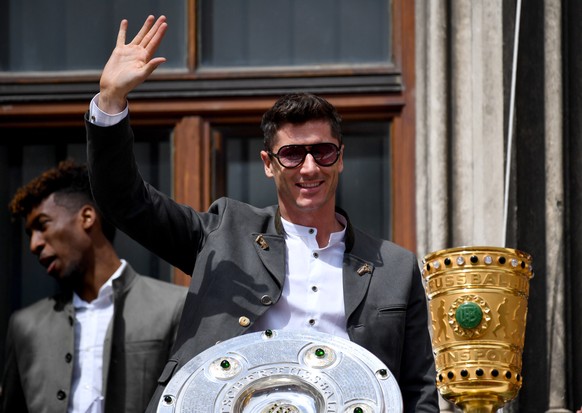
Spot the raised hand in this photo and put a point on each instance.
(130, 64)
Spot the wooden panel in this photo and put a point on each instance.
(191, 151)
(403, 159)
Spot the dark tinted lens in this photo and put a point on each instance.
(291, 155)
(324, 154)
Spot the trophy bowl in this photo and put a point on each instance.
(283, 372)
(478, 305)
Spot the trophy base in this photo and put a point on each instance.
(480, 404)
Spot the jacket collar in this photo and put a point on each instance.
(120, 285)
(124, 282)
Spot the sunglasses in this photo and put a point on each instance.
(291, 156)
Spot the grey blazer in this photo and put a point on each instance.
(40, 346)
(236, 255)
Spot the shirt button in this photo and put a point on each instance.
(68, 357)
(312, 322)
(266, 300)
(61, 395)
(315, 255)
(244, 321)
(311, 230)
(314, 288)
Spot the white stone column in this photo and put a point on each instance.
(477, 119)
(554, 166)
(431, 130)
(431, 126)
(460, 140)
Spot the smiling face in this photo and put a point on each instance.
(58, 237)
(307, 191)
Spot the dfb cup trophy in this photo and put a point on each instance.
(478, 305)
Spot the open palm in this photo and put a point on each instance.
(130, 64)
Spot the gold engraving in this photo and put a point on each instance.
(459, 357)
(496, 280)
(439, 324)
(285, 375)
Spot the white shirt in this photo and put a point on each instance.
(91, 323)
(312, 297)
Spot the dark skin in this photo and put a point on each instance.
(70, 244)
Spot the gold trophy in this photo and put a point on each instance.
(478, 306)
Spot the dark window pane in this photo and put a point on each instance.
(246, 178)
(262, 33)
(364, 190)
(62, 35)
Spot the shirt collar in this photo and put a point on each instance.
(303, 231)
(105, 292)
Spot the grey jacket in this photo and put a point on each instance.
(40, 346)
(236, 255)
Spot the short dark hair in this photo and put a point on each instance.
(298, 108)
(69, 182)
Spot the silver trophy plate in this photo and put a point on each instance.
(283, 372)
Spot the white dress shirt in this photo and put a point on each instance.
(312, 297)
(91, 323)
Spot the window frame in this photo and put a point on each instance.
(194, 81)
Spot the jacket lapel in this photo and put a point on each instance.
(272, 252)
(115, 334)
(357, 274)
